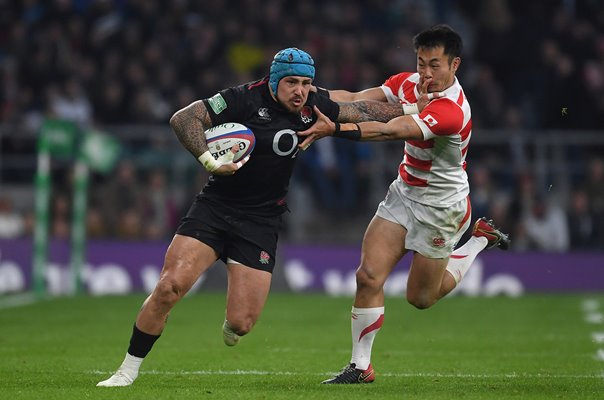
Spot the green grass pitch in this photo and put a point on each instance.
(533, 347)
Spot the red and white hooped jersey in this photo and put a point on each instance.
(433, 170)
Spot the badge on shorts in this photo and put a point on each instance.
(438, 242)
(264, 257)
(217, 103)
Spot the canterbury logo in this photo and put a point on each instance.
(438, 242)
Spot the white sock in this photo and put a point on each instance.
(131, 365)
(463, 257)
(365, 324)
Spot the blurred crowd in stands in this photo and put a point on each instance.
(526, 67)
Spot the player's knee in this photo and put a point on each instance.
(420, 301)
(168, 292)
(366, 278)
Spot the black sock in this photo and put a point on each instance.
(141, 343)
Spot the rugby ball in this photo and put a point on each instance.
(221, 139)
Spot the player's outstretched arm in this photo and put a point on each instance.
(342, 96)
(368, 110)
(189, 125)
(371, 110)
(399, 128)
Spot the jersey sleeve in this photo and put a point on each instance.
(228, 105)
(391, 86)
(440, 118)
(328, 107)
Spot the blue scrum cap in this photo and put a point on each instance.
(288, 62)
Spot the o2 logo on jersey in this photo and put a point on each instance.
(430, 120)
(281, 145)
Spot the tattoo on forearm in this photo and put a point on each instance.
(368, 110)
(189, 124)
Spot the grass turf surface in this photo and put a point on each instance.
(533, 347)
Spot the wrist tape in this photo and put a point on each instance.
(351, 134)
(208, 161)
(409, 109)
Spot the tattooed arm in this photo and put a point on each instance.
(372, 104)
(189, 125)
(368, 110)
(402, 127)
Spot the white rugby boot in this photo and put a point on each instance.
(230, 338)
(120, 378)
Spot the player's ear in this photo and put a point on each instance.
(455, 64)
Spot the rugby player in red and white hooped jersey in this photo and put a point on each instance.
(427, 208)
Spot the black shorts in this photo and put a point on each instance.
(246, 239)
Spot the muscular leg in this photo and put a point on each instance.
(246, 294)
(186, 259)
(383, 247)
(428, 281)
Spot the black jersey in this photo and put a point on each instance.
(260, 186)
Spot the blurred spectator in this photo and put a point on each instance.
(120, 200)
(546, 226)
(111, 103)
(583, 226)
(60, 217)
(159, 210)
(594, 185)
(71, 103)
(130, 225)
(95, 223)
(12, 223)
(594, 189)
(317, 169)
(482, 191)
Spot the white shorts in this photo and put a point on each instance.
(431, 231)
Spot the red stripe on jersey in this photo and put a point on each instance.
(395, 81)
(465, 132)
(410, 179)
(467, 215)
(460, 98)
(416, 163)
(376, 325)
(262, 82)
(422, 144)
(408, 87)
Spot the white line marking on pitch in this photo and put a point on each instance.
(393, 374)
(598, 337)
(17, 300)
(594, 318)
(591, 305)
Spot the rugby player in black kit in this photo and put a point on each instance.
(237, 215)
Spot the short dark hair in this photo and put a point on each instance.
(440, 35)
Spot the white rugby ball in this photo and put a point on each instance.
(222, 138)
